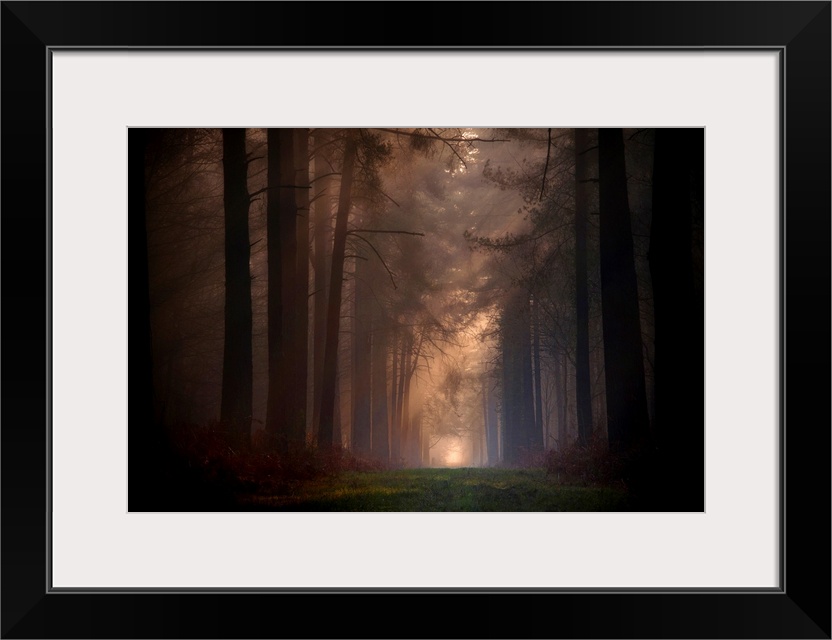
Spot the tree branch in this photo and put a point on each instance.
(546, 166)
(324, 175)
(451, 147)
(390, 273)
(409, 233)
(435, 136)
(280, 186)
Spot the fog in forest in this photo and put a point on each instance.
(418, 298)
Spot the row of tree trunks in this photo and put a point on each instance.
(288, 299)
(288, 207)
(490, 438)
(390, 429)
(627, 416)
(521, 438)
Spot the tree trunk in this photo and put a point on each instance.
(407, 418)
(288, 434)
(532, 437)
(337, 430)
(323, 246)
(559, 375)
(521, 437)
(236, 404)
(583, 390)
(485, 418)
(301, 304)
(599, 396)
(416, 428)
(381, 423)
(510, 401)
(395, 440)
(399, 424)
(361, 360)
(538, 377)
(277, 357)
(627, 418)
(424, 458)
(410, 359)
(493, 433)
(334, 306)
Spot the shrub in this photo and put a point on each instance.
(590, 465)
(213, 457)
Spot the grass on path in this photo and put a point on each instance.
(422, 490)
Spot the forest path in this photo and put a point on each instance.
(449, 490)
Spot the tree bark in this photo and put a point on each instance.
(236, 403)
(381, 423)
(278, 369)
(418, 442)
(521, 438)
(322, 239)
(493, 430)
(583, 391)
(407, 418)
(510, 402)
(559, 375)
(627, 418)
(361, 360)
(395, 439)
(532, 437)
(287, 314)
(334, 306)
(399, 423)
(538, 377)
(337, 430)
(485, 418)
(301, 305)
(291, 427)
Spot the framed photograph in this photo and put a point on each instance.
(94, 542)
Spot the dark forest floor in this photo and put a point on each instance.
(424, 490)
(202, 474)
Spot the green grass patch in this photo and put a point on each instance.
(429, 490)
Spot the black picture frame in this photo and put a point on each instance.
(800, 608)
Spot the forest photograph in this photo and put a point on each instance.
(416, 319)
